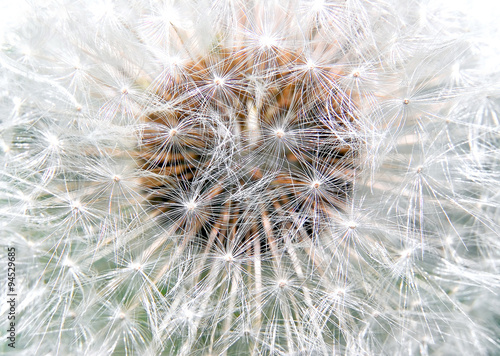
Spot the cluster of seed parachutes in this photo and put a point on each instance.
(247, 146)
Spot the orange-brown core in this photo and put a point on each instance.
(249, 147)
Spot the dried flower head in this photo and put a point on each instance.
(250, 178)
(250, 144)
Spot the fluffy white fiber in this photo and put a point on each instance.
(250, 178)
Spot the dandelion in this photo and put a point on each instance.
(250, 178)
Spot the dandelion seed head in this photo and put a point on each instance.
(191, 205)
(136, 266)
(173, 132)
(267, 41)
(315, 184)
(282, 283)
(405, 254)
(67, 262)
(76, 206)
(121, 316)
(352, 225)
(279, 133)
(219, 81)
(240, 113)
(266, 177)
(310, 64)
(338, 293)
(53, 141)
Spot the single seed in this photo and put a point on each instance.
(190, 206)
(76, 206)
(282, 283)
(219, 81)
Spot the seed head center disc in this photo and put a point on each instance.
(252, 147)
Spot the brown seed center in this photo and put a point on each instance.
(255, 140)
